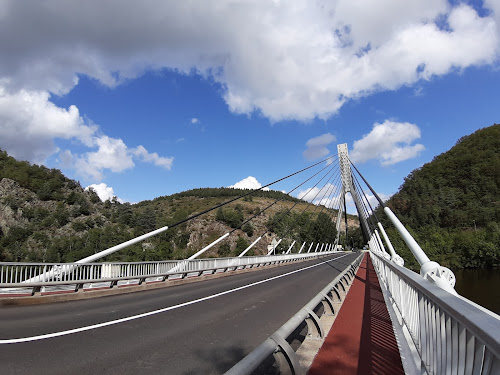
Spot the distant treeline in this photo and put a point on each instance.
(230, 192)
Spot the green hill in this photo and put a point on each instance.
(452, 204)
(45, 216)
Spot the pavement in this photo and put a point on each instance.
(361, 340)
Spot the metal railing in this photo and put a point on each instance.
(26, 275)
(451, 334)
(277, 344)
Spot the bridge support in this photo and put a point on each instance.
(441, 276)
(304, 244)
(394, 257)
(312, 243)
(290, 248)
(249, 247)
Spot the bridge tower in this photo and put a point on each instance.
(349, 187)
(430, 270)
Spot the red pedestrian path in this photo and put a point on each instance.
(361, 340)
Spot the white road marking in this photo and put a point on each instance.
(143, 315)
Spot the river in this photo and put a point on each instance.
(481, 286)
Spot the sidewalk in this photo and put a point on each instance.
(361, 341)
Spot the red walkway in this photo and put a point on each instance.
(361, 340)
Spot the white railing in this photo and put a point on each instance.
(26, 275)
(452, 335)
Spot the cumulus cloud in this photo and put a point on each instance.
(318, 195)
(194, 120)
(104, 192)
(154, 158)
(390, 143)
(30, 125)
(248, 183)
(112, 154)
(300, 59)
(316, 147)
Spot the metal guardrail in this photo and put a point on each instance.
(451, 334)
(277, 344)
(26, 275)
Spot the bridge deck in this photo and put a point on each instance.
(361, 340)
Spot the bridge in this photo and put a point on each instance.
(305, 307)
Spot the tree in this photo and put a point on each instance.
(224, 250)
(231, 216)
(61, 214)
(94, 197)
(248, 229)
(241, 245)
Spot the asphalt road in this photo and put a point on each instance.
(198, 328)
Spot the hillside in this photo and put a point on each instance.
(452, 204)
(45, 216)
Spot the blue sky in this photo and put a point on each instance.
(159, 99)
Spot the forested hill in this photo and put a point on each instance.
(45, 216)
(452, 204)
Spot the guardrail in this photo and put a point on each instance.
(451, 334)
(36, 275)
(277, 344)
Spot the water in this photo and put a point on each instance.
(481, 286)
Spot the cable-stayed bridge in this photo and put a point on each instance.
(271, 316)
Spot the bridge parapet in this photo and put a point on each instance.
(451, 334)
(38, 275)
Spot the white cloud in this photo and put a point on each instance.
(154, 158)
(112, 154)
(316, 147)
(194, 120)
(390, 143)
(104, 192)
(248, 183)
(29, 123)
(318, 195)
(300, 59)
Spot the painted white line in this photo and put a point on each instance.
(143, 315)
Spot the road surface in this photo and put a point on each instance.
(196, 328)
